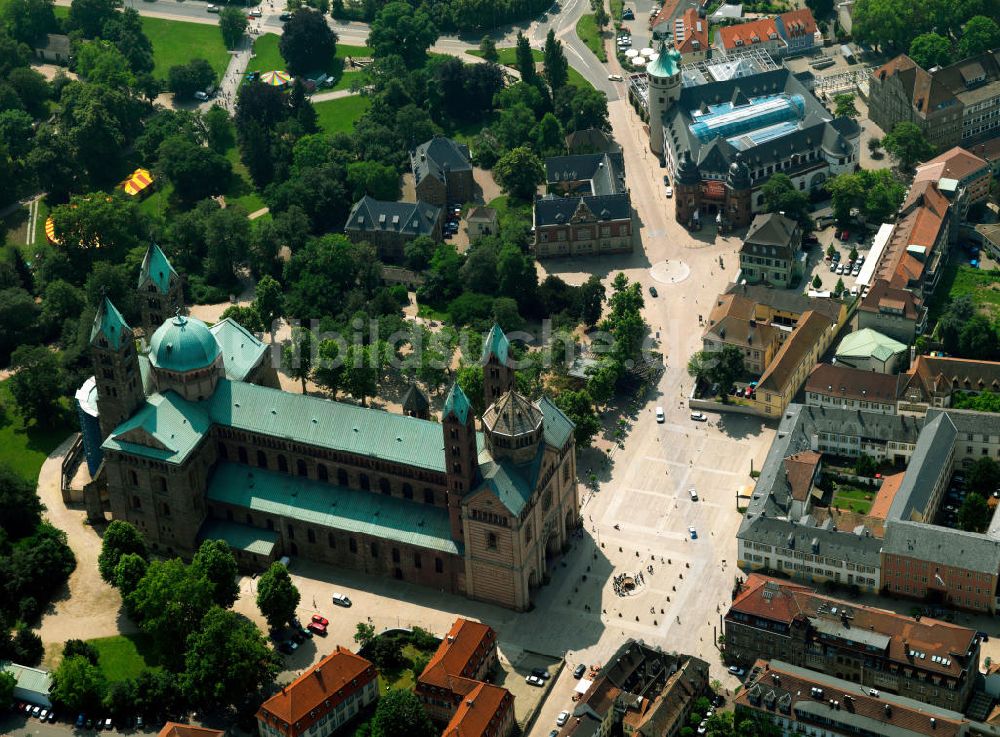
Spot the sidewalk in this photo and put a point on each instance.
(230, 84)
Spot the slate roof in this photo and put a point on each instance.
(415, 400)
(413, 219)
(844, 382)
(156, 269)
(241, 349)
(605, 172)
(944, 546)
(337, 507)
(57, 43)
(591, 140)
(553, 210)
(867, 343)
(772, 234)
(939, 375)
(935, 444)
(929, 91)
(437, 157)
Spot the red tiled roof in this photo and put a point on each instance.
(806, 334)
(695, 33)
(799, 22)
(454, 655)
(333, 679)
(955, 163)
(882, 294)
(886, 493)
(481, 713)
(754, 32)
(938, 374)
(920, 224)
(173, 729)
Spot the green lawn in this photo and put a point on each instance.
(508, 58)
(176, 42)
(26, 448)
(339, 116)
(959, 279)
(266, 54)
(852, 498)
(403, 677)
(124, 656)
(589, 33)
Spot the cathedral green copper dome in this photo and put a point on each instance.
(667, 64)
(183, 344)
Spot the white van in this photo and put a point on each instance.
(341, 600)
(693, 494)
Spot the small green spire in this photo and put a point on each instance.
(156, 268)
(110, 323)
(457, 404)
(496, 344)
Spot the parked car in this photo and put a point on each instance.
(319, 619)
(533, 680)
(255, 13)
(579, 670)
(652, 291)
(43, 715)
(562, 718)
(693, 533)
(836, 256)
(212, 8)
(341, 600)
(201, 96)
(659, 415)
(736, 671)
(703, 727)
(106, 723)
(833, 266)
(614, 78)
(316, 628)
(81, 719)
(288, 646)
(285, 17)
(669, 191)
(628, 14)
(541, 673)
(845, 234)
(699, 417)
(693, 493)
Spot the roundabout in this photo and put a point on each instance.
(670, 271)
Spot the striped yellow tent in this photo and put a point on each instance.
(139, 184)
(50, 231)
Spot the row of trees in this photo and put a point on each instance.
(935, 31)
(449, 15)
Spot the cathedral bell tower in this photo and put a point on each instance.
(498, 376)
(116, 368)
(458, 423)
(160, 292)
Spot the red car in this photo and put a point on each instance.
(316, 628)
(845, 235)
(321, 620)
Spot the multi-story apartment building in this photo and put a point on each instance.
(924, 659)
(787, 34)
(453, 687)
(954, 105)
(802, 702)
(772, 251)
(892, 311)
(834, 385)
(959, 174)
(389, 226)
(322, 699)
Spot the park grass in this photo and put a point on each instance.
(590, 34)
(960, 280)
(339, 116)
(403, 677)
(508, 57)
(241, 190)
(267, 57)
(177, 42)
(853, 499)
(25, 445)
(124, 656)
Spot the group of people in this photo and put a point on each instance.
(619, 581)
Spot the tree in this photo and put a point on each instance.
(853, 255)
(699, 365)
(232, 24)
(216, 561)
(580, 108)
(556, 66)
(169, 603)
(28, 647)
(817, 283)
(20, 507)
(843, 106)
(28, 21)
(930, 50)
(374, 179)
(227, 661)
(525, 59)
(399, 29)
(218, 129)
(297, 357)
(78, 685)
(129, 572)
(728, 367)
(984, 475)
(548, 136)
(18, 320)
(247, 316)
(364, 366)
(364, 634)
(579, 407)
(907, 144)
(73, 648)
(90, 16)
(400, 714)
(488, 47)
(601, 16)
(277, 597)
(125, 31)
(820, 8)
(519, 172)
(269, 301)
(7, 684)
(120, 537)
(507, 315)
(839, 288)
(307, 42)
(974, 515)
(195, 171)
(980, 34)
(592, 295)
(977, 339)
(892, 23)
(780, 195)
(37, 383)
(950, 324)
(865, 465)
(418, 252)
(186, 79)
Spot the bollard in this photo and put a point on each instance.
(636, 617)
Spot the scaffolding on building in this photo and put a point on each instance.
(835, 84)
